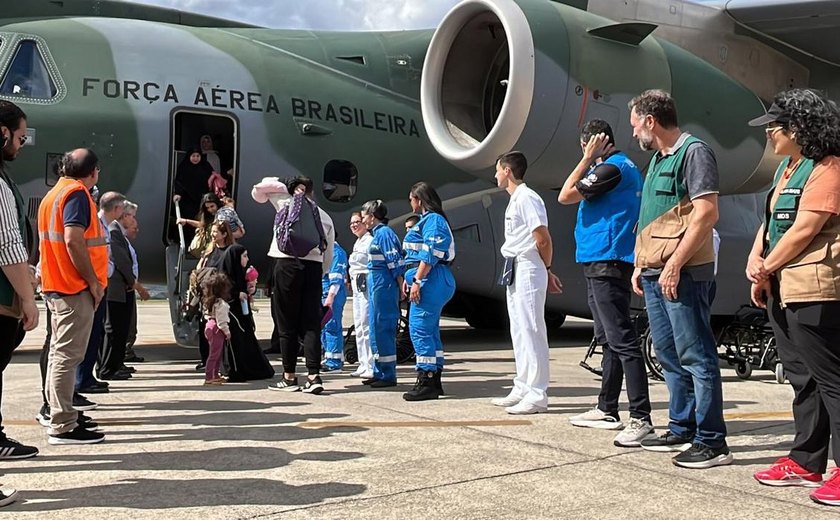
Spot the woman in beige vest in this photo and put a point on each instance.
(794, 267)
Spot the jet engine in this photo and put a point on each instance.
(527, 74)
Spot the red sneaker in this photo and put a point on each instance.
(786, 472)
(829, 493)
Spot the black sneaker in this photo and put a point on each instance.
(80, 435)
(94, 389)
(381, 383)
(200, 366)
(82, 403)
(7, 496)
(702, 457)
(666, 442)
(285, 385)
(87, 422)
(369, 381)
(313, 386)
(43, 416)
(12, 449)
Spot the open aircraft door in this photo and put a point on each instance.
(188, 127)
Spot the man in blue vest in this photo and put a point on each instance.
(608, 187)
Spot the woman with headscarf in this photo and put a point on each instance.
(244, 358)
(190, 184)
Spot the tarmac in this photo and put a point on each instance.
(177, 449)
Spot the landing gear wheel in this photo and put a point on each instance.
(743, 370)
(780, 373)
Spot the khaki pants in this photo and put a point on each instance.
(72, 319)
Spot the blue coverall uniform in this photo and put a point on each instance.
(429, 241)
(386, 266)
(332, 337)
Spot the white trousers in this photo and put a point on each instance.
(362, 325)
(526, 309)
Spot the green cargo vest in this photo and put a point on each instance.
(7, 292)
(665, 212)
(780, 217)
(814, 274)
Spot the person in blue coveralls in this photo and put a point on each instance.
(334, 296)
(429, 283)
(385, 277)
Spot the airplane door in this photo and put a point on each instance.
(216, 136)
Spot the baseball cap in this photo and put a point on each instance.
(775, 114)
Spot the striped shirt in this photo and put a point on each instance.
(12, 249)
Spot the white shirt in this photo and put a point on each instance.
(524, 214)
(358, 260)
(716, 246)
(105, 231)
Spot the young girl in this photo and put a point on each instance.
(216, 290)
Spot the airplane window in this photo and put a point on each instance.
(469, 233)
(340, 179)
(28, 76)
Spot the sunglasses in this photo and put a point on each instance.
(355, 222)
(770, 130)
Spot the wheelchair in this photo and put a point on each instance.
(640, 324)
(405, 347)
(748, 342)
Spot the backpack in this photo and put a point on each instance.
(298, 229)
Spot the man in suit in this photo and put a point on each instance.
(120, 305)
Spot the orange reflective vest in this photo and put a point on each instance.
(58, 274)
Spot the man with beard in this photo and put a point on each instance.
(18, 312)
(675, 271)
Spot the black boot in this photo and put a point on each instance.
(438, 384)
(424, 389)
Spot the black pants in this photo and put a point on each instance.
(45, 356)
(296, 296)
(609, 301)
(11, 335)
(119, 318)
(806, 341)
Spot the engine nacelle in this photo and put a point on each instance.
(527, 74)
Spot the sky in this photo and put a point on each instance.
(352, 15)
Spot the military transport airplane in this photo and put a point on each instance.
(368, 114)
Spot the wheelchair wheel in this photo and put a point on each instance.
(649, 355)
(405, 347)
(351, 353)
(743, 370)
(780, 373)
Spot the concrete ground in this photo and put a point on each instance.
(176, 449)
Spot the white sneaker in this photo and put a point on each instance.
(366, 375)
(7, 496)
(356, 373)
(633, 435)
(596, 418)
(526, 409)
(505, 402)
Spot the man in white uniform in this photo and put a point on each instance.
(527, 251)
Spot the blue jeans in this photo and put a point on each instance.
(685, 345)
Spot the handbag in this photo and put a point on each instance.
(198, 244)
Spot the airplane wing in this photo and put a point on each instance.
(41, 9)
(810, 26)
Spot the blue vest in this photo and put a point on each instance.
(605, 224)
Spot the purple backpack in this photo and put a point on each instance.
(298, 228)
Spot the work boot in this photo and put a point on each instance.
(424, 389)
(438, 384)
